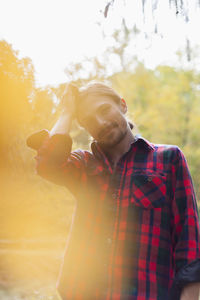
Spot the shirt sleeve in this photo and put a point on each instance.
(55, 161)
(185, 227)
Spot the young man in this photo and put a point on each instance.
(135, 235)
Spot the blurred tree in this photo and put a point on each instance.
(16, 85)
(31, 208)
(116, 58)
(150, 11)
(180, 7)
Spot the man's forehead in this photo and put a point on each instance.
(93, 102)
(98, 98)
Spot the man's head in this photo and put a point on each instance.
(101, 111)
(98, 89)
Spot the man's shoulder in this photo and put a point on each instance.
(168, 150)
(165, 147)
(168, 154)
(161, 147)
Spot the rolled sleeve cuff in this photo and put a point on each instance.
(37, 139)
(187, 274)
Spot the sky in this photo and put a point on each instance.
(55, 33)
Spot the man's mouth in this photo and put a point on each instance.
(106, 130)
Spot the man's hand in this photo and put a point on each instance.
(191, 292)
(63, 125)
(69, 99)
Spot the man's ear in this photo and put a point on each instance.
(123, 106)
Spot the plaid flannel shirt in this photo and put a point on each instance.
(135, 235)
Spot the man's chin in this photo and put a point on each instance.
(110, 142)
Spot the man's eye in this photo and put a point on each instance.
(105, 110)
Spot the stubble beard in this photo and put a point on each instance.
(110, 142)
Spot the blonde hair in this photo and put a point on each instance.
(95, 88)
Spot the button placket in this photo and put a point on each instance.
(112, 206)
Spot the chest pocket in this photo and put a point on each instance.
(148, 190)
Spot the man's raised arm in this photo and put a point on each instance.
(63, 125)
(55, 162)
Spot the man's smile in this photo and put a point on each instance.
(105, 131)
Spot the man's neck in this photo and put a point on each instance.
(117, 151)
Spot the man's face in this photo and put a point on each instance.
(104, 119)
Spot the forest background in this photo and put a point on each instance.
(35, 214)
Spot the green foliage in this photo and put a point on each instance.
(16, 85)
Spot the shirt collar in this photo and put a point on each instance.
(100, 156)
(144, 142)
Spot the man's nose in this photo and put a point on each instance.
(100, 121)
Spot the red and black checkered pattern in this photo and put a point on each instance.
(135, 227)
